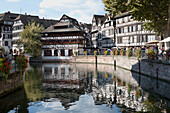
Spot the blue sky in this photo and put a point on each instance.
(82, 10)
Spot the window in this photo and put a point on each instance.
(134, 28)
(151, 38)
(47, 53)
(70, 52)
(139, 27)
(125, 29)
(135, 39)
(62, 52)
(111, 31)
(131, 39)
(55, 52)
(6, 43)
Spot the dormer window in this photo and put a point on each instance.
(65, 20)
(46, 34)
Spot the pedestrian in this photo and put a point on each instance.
(156, 50)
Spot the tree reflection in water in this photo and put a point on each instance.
(69, 83)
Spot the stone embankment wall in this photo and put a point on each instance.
(153, 69)
(13, 83)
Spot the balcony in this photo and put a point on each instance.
(63, 46)
(15, 38)
(66, 37)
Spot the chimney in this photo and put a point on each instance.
(25, 13)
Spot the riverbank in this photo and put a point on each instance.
(156, 69)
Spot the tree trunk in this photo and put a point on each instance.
(169, 22)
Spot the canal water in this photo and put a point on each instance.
(86, 88)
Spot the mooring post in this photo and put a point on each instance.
(157, 77)
(139, 72)
(115, 65)
(96, 61)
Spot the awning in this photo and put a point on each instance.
(166, 40)
(153, 42)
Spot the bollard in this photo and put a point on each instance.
(115, 65)
(157, 78)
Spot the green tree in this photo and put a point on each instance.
(30, 39)
(155, 12)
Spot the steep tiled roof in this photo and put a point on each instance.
(8, 16)
(72, 22)
(25, 19)
(102, 18)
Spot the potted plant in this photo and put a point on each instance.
(151, 54)
(117, 52)
(138, 93)
(112, 53)
(138, 53)
(105, 75)
(105, 52)
(122, 83)
(167, 55)
(129, 53)
(129, 87)
(85, 53)
(95, 53)
(75, 53)
(122, 52)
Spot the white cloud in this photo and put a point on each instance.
(13, 0)
(82, 10)
(41, 11)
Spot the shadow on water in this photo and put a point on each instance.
(86, 88)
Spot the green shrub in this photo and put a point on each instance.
(22, 63)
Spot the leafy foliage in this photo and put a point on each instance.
(30, 39)
(154, 11)
(5, 68)
(22, 63)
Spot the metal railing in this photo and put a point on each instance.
(158, 56)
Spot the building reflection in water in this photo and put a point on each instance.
(107, 86)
